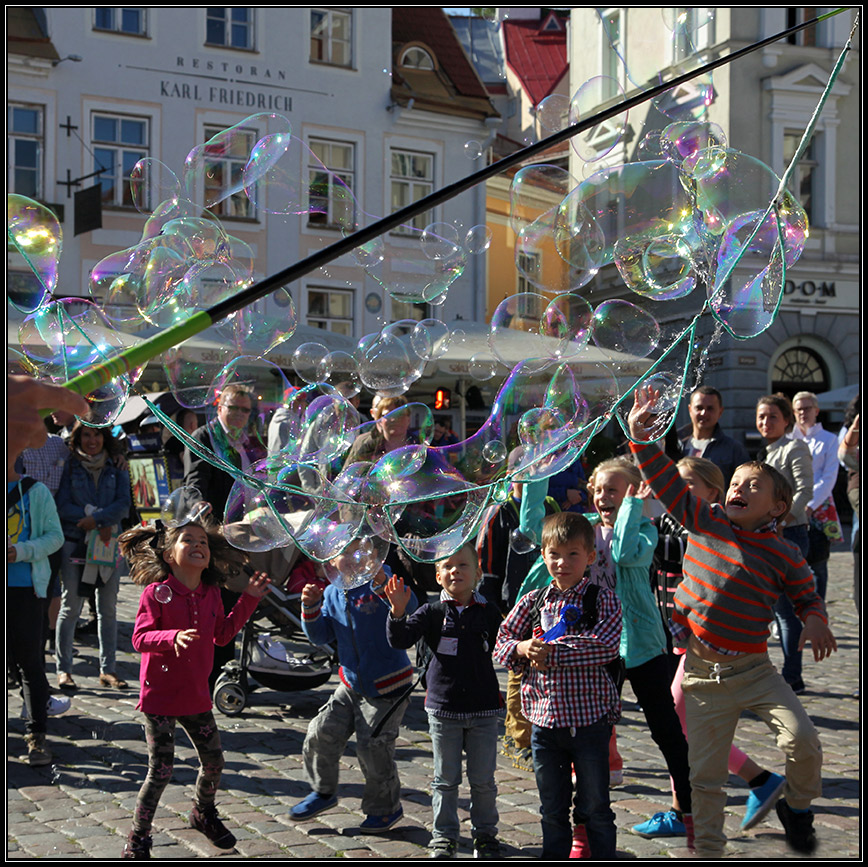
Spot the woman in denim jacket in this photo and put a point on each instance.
(94, 495)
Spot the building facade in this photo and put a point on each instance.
(381, 99)
(763, 103)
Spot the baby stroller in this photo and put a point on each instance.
(275, 652)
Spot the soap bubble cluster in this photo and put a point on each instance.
(618, 258)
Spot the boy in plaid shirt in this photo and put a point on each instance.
(566, 692)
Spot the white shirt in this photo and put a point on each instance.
(824, 453)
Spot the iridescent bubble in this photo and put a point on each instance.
(340, 370)
(522, 541)
(568, 318)
(33, 231)
(553, 113)
(515, 330)
(494, 452)
(386, 366)
(307, 360)
(472, 149)
(154, 187)
(477, 240)
(624, 327)
(163, 593)
(684, 140)
(660, 268)
(595, 143)
(183, 505)
(441, 241)
(358, 563)
(482, 366)
(430, 339)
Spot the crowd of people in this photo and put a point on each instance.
(665, 569)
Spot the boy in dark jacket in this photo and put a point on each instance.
(463, 700)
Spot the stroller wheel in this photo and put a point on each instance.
(230, 698)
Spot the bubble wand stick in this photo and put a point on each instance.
(140, 354)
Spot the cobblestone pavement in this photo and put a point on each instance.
(81, 806)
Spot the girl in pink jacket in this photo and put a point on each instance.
(179, 621)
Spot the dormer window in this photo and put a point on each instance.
(416, 57)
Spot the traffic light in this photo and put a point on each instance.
(442, 398)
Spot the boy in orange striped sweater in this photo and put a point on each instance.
(735, 567)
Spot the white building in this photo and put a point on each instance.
(763, 103)
(385, 98)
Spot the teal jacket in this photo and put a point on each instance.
(633, 542)
(46, 537)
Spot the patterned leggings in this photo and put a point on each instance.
(160, 737)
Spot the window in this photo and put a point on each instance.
(331, 36)
(800, 369)
(692, 30)
(799, 15)
(805, 176)
(528, 267)
(417, 310)
(229, 26)
(416, 58)
(25, 143)
(128, 19)
(224, 169)
(119, 142)
(331, 310)
(331, 203)
(412, 178)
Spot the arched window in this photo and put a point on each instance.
(415, 57)
(800, 369)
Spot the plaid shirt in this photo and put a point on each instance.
(46, 464)
(575, 690)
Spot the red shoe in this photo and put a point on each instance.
(581, 846)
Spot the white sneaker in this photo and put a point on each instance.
(57, 704)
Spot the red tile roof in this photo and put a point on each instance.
(537, 56)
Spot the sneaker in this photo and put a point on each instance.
(799, 827)
(206, 820)
(775, 630)
(486, 848)
(761, 799)
(523, 759)
(581, 846)
(661, 825)
(442, 849)
(507, 746)
(57, 704)
(38, 754)
(615, 778)
(379, 824)
(137, 847)
(311, 806)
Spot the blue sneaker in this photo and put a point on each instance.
(311, 806)
(761, 799)
(661, 825)
(378, 824)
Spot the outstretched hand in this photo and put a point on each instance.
(644, 401)
(184, 638)
(311, 594)
(398, 594)
(258, 585)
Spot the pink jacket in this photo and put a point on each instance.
(178, 685)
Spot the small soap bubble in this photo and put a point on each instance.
(478, 239)
(494, 452)
(472, 149)
(163, 593)
(522, 542)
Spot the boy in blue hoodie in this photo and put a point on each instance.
(374, 676)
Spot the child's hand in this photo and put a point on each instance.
(644, 400)
(398, 594)
(311, 595)
(536, 651)
(184, 638)
(642, 492)
(818, 633)
(258, 585)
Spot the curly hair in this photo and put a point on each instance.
(110, 442)
(144, 547)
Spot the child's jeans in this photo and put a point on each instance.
(348, 711)
(160, 735)
(555, 753)
(713, 707)
(477, 737)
